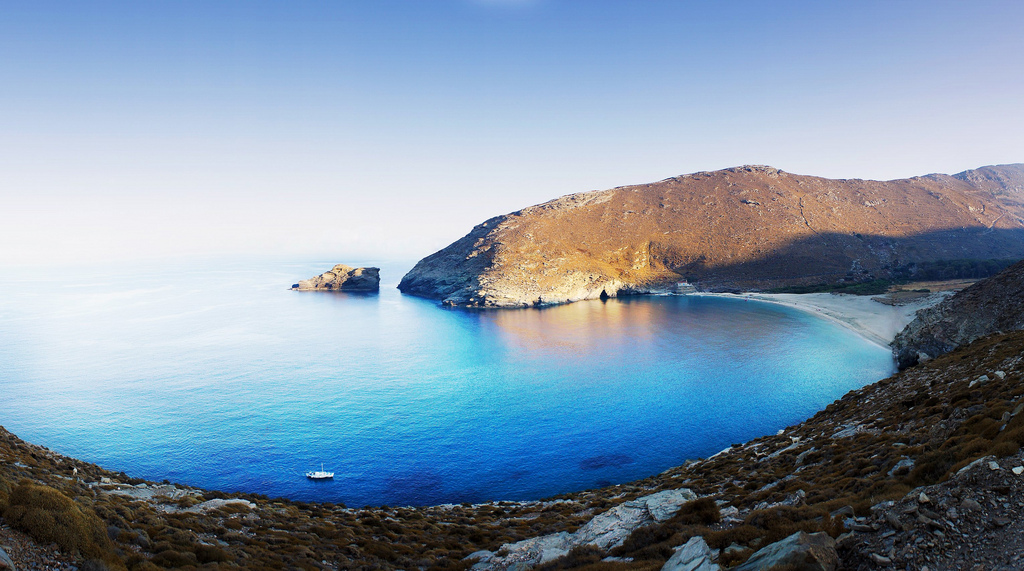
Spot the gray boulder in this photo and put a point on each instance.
(804, 551)
(604, 531)
(610, 529)
(5, 561)
(529, 552)
(694, 555)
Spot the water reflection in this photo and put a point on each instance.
(637, 323)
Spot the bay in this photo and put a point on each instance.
(215, 374)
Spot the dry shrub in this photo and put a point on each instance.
(781, 522)
(932, 467)
(577, 557)
(832, 526)
(1015, 435)
(703, 511)
(1004, 449)
(734, 558)
(644, 537)
(741, 535)
(451, 565)
(51, 517)
(172, 558)
(211, 554)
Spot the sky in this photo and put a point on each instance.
(386, 129)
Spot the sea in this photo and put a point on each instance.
(215, 374)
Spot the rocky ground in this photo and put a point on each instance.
(855, 472)
(970, 522)
(989, 306)
(29, 554)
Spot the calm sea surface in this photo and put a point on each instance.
(217, 375)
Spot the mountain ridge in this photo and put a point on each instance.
(749, 227)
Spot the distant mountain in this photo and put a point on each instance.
(750, 228)
(994, 305)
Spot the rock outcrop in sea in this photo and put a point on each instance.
(994, 305)
(343, 278)
(745, 228)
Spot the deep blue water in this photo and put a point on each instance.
(217, 375)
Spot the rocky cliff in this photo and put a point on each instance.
(752, 227)
(343, 278)
(993, 305)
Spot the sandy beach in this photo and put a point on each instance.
(875, 321)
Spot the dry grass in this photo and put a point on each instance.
(49, 516)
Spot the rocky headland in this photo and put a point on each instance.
(922, 470)
(744, 228)
(990, 306)
(343, 278)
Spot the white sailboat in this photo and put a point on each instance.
(320, 474)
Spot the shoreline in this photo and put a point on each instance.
(874, 321)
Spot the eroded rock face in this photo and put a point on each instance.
(994, 305)
(751, 227)
(343, 278)
(804, 551)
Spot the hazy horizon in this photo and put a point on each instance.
(386, 130)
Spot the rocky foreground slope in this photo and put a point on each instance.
(994, 305)
(751, 227)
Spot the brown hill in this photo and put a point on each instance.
(994, 305)
(751, 227)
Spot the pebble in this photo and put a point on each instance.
(1018, 470)
(993, 466)
(880, 559)
(970, 505)
(923, 498)
(5, 561)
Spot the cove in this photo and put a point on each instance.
(216, 375)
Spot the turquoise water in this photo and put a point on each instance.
(217, 375)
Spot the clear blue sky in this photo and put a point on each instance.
(386, 128)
